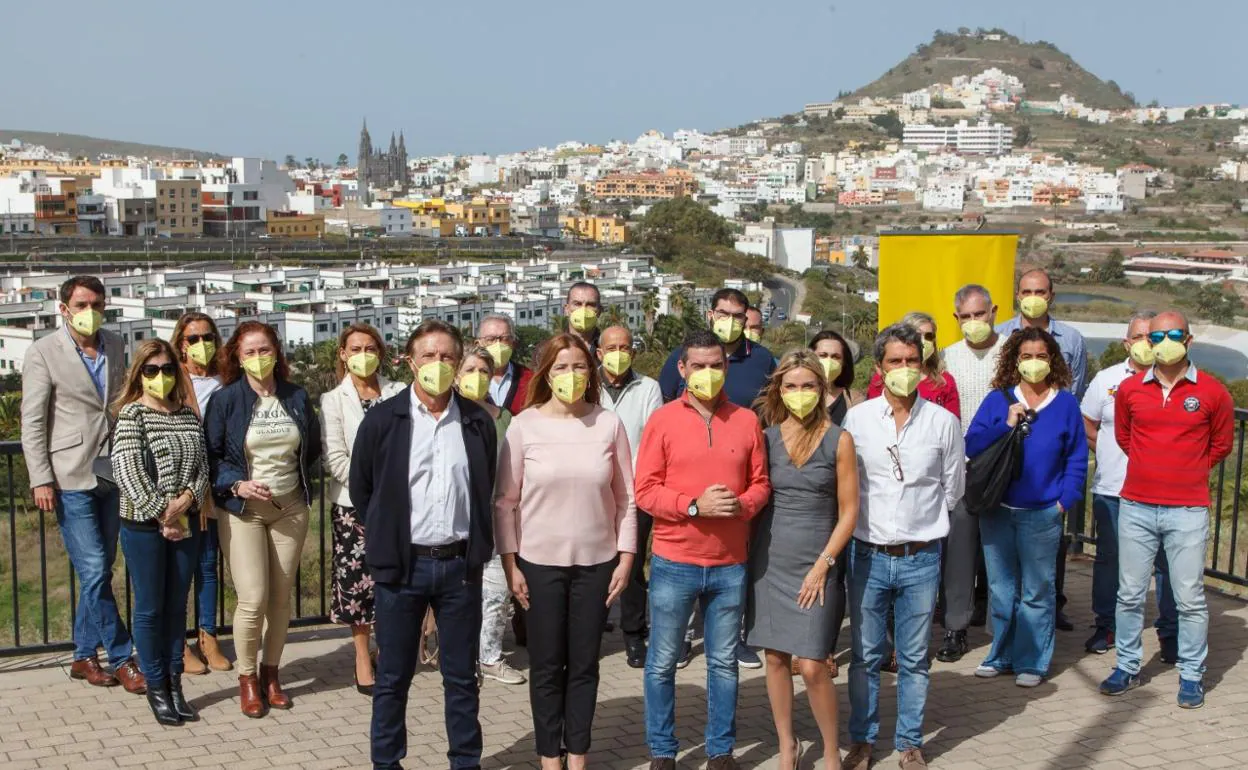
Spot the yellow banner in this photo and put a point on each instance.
(922, 271)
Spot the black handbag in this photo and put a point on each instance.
(990, 473)
(102, 466)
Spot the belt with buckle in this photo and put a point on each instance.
(900, 549)
(440, 552)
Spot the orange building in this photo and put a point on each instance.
(673, 183)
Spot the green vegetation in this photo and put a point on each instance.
(79, 146)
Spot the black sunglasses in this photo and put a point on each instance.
(191, 339)
(151, 370)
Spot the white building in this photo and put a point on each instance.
(944, 194)
(917, 100)
(792, 248)
(982, 138)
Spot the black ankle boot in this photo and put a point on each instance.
(162, 704)
(184, 709)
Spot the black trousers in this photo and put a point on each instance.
(567, 607)
(633, 600)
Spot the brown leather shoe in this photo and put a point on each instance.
(249, 696)
(912, 759)
(272, 688)
(131, 679)
(90, 670)
(191, 663)
(858, 758)
(211, 651)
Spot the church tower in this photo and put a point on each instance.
(363, 172)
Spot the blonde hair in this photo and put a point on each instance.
(132, 388)
(770, 403)
(914, 319)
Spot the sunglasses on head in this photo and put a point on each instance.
(151, 370)
(1178, 335)
(191, 339)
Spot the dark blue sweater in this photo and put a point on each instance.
(748, 370)
(1055, 455)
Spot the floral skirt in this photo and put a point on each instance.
(351, 600)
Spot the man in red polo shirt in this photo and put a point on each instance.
(1174, 424)
(702, 475)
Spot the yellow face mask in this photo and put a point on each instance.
(1034, 370)
(201, 352)
(260, 367)
(363, 364)
(727, 329)
(1142, 353)
(831, 368)
(474, 385)
(501, 353)
(584, 319)
(435, 377)
(159, 386)
(705, 384)
(929, 350)
(1033, 306)
(976, 332)
(753, 335)
(86, 322)
(903, 381)
(1169, 352)
(617, 362)
(801, 402)
(569, 387)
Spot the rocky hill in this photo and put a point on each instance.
(92, 147)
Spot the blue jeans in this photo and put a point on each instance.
(1020, 552)
(1182, 532)
(455, 595)
(907, 585)
(675, 588)
(89, 523)
(1105, 573)
(206, 574)
(160, 571)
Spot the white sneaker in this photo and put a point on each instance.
(1028, 680)
(502, 673)
(986, 672)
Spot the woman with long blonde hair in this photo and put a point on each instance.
(803, 532)
(161, 468)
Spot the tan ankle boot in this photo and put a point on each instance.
(211, 651)
(191, 664)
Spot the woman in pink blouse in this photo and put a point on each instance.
(565, 526)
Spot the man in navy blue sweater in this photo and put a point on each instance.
(749, 363)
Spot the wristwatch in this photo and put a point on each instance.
(234, 488)
(693, 509)
(829, 558)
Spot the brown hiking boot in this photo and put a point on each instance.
(191, 663)
(858, 758)
(912, 759)
(211, 651)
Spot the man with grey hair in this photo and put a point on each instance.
(510, 385)
(972, 361)
(911, 474)
(1111, 472)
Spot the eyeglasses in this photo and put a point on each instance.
(930, 336)
(1178, 335)
(894, 454)
(721, 314)
(151, 370)
(191, 339)
(496, 338)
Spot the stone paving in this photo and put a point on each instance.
(50, 721)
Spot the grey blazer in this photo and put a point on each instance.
(64, 420)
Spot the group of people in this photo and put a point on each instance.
(746, 488)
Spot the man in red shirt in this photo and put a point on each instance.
(702, 475)
(1174, 424)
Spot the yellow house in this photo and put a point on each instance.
(292, 224)
(600, 229)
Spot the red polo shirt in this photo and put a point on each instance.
(681, 455)
(1173, 440)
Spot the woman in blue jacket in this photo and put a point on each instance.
(263, 442)
(1021, 538)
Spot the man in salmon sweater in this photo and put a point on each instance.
(702, 475)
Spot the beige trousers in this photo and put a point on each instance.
(262, 547)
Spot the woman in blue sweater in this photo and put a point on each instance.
(1021, 538)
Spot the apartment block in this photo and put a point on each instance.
(600, 229)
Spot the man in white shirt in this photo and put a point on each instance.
(633, 397)
(972, 361)
(911, 468)
(1111, 472)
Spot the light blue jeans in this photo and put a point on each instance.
(1020, 552)
(909, 585)
(674, 590)
(1182, 532)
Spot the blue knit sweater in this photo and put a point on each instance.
(1055, 455)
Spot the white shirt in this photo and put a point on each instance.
(204, 388)
(1098, 406)
(499, 387)
(438, 476)
(973, 371)
(933, 469)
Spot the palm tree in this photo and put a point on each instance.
(614, 315)
(309, 163)
(860, 259)
(650, 307)
(290, 162)
(342, 160)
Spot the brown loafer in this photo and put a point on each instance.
(912, 759)
(131, 678)
(249, 699)
(272, 688)
(94, 674)
(858, 758)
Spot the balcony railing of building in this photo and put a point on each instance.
(37, 616)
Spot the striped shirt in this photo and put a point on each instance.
(176, 441)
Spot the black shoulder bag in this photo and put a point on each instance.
(102, 466)
(990, 473)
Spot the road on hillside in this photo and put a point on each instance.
(784, 293)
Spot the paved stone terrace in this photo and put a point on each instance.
(50, 721)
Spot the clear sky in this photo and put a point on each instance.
(271, 77)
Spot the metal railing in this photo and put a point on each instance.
(43, 590)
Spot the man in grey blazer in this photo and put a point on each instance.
(68, 380)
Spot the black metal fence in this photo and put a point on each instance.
(38, 617)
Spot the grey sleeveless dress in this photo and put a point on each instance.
(794, 530)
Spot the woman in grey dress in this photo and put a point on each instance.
(814, 480)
